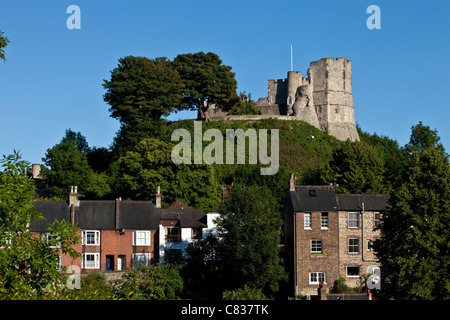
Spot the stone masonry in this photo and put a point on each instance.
(324, 99)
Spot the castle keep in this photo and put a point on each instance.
(324, 99)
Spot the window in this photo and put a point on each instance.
(324, 220)
(316, 277)
(54, 243)
(353, 245)
(336, 110)
(353, 220)
(352, 271)
(173, 234)
(316, 246)
(377, 219)
(141, 238)
(312, 193)
(141, 259)
(91, 261)
(91, 237)
(319, 109)
(307, 218)
(197, 233)
(58, 263)
(369, 245)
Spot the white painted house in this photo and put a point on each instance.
(181, 226)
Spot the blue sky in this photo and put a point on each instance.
(52, 79)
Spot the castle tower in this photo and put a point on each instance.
(294, 80)
(333, 98)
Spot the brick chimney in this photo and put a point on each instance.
(73, 202)
(73, 196)
(292, 182)
(158, 197)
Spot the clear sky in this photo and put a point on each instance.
(52, 78)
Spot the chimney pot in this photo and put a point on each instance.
(158, 197)
(292, 182)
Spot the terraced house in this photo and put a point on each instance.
(329, 234)
(115, 234)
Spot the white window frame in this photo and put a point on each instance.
(317, 277)
(307, 219)
(142, 238)
(136, 258)
(96, 238)
(376, 220)
(316, 241)
(324, 220)
(353, 246)
(352, 276)
(47, 235)
(90, 265)
(352, 220)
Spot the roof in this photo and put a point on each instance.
(372, 202)
(314, 198)
(324, 198)
(100, 215)
(189, 218)
(178, 205)
(51, 211)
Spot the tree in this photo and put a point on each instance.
(66, 164)
(202, 269)
(28, 264)
(422, 137)
(250, 229)
(245, 105)
(142, 88)
(207, 82)
(151, 283)
(414, 245)
(358, 167)
(149, 165)
(3, 44)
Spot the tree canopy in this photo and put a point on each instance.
(207, 82)
(3, 44)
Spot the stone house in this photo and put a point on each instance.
(328, 234)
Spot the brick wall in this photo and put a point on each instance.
(306, 261)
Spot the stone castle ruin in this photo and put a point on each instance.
(324, 99)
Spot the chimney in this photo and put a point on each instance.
(117, 213)
(36, 170)
(73, 202)
(158, 197)
(73, 196)
(292, 182)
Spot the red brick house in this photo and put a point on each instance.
(328, 234)
(115, 234)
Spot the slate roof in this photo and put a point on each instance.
(324, 198)
(314, 198)
(189, 218)
(372, 202)
(51, 211)
(100, 215)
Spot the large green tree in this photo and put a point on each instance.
(250, 229)
(66, 164)
(358, 168)
(149, 165)
(139, 93)
(414, 246)
(207, 82)
(28, 264)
